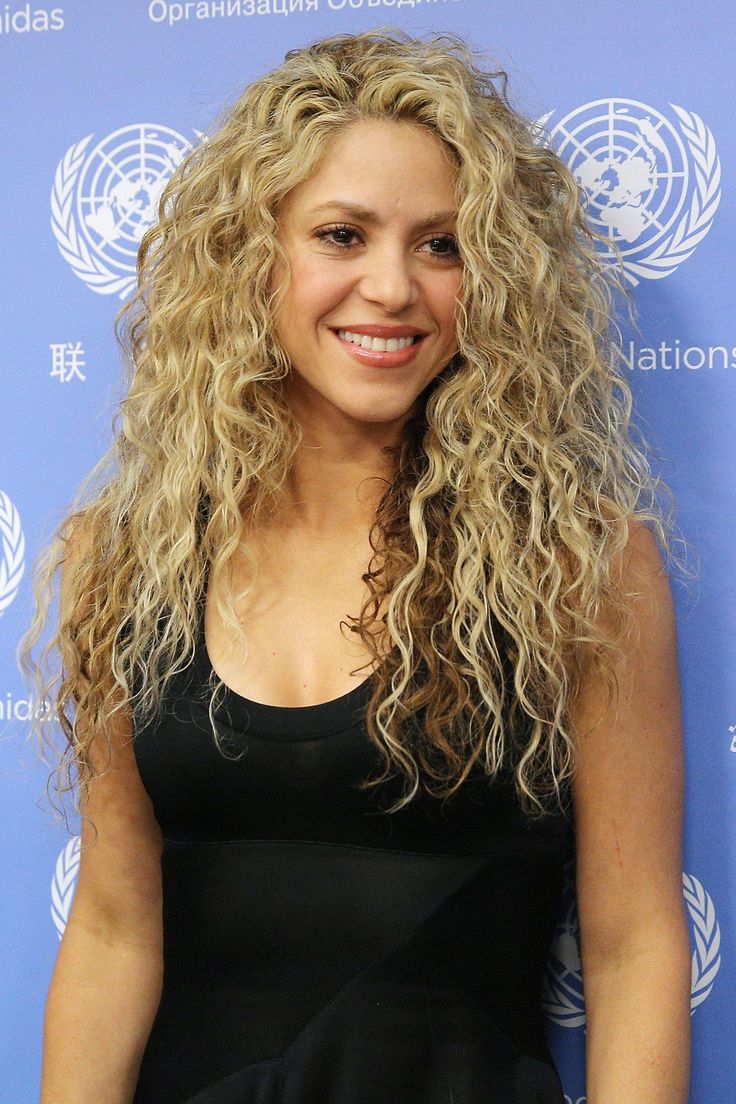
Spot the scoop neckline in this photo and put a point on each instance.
(267, 706)
(299, 721)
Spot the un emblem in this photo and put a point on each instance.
(12, 551)
(650, 186)
(64, 884)
(103, 200)
(563, 998)
(562, 986)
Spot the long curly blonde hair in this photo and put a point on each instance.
(514, 485)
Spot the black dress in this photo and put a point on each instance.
(320, 951)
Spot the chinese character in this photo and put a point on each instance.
(66, 360)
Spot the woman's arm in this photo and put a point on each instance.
(101, 1004)
(106, 984)
(107, 979)
(628, 803)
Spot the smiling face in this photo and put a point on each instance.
(370, 240)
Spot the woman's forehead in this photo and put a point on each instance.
(398, 171)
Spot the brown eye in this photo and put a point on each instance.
(323, 235)
(447, 240)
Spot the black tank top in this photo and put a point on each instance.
(318, 950)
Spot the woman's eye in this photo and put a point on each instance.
(449, 242)
(324, 235)
(446, 240)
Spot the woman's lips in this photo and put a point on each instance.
(381, 360)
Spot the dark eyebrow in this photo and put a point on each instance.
(370, 217)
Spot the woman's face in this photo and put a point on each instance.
(393, 264)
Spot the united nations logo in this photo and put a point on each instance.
(64, 883)
(706, 932)
(562, 988)
(650, 186)
(104, 200)
(12, 552)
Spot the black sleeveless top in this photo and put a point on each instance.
(318, 950)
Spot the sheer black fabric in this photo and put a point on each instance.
(320, 951)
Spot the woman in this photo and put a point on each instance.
(299, 882)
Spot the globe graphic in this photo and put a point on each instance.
(120, 186)
(631, 165)
(562, 987)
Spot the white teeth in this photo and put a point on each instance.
(376, 344)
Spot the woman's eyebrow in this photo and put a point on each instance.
(368, 216)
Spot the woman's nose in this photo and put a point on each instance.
(388, 279)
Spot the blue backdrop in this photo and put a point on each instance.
(97, 103)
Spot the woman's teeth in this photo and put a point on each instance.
(378, 344)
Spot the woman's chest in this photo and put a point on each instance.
(299, 649)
